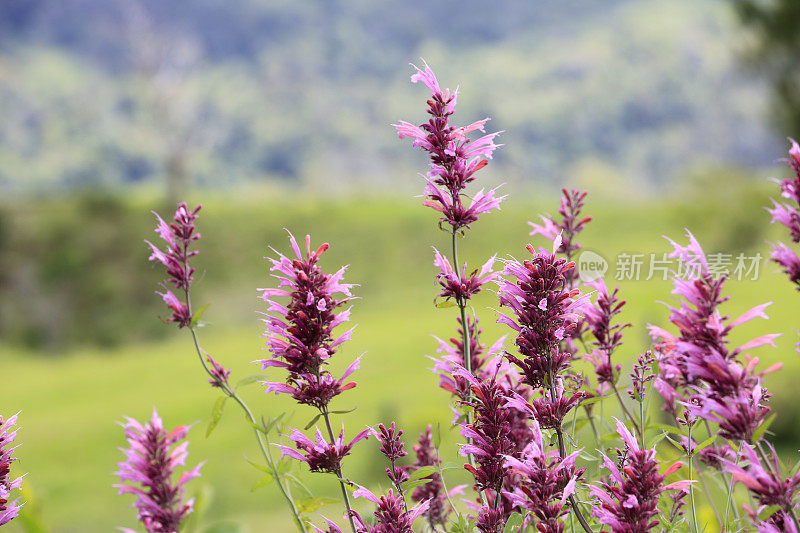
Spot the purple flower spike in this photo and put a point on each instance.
(697, 367)
(459, 285)
(319, 454)
(788, 215)
(147, 472)
(599, 318)
(9, 509)
(390, 515)
(767, 486)
(571, 223)
(177, 236)
(545, 310)
(628, 497)
(300, 332)
(392, 448)
(546, 482)
(454, 157)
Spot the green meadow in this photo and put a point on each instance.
(72, 397)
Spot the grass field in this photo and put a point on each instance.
(70, 403)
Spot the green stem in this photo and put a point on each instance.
(562, 450)
(702, 481)
(250, 418)
(345, 497)
(690, 453)
(625, 410)
(465, 340)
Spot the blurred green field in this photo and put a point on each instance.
(71, 400)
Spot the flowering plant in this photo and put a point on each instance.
(520, 404)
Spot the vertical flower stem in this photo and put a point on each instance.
(562, 450)
(689, 454)
(703, 484)
(251, 419)
(345, 497)
(465, 340)
(625, 410)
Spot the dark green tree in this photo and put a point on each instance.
(774, 51)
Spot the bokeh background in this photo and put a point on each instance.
(276, 114)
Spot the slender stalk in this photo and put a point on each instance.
(465, 340)
(625, 410)
(345, 497)
(690, 453)
(562, 450)
(702, 481)
(399, 488)
(250, 418)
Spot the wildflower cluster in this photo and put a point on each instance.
(515, 407)
(147, 472)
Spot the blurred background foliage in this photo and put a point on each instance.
(276, 114)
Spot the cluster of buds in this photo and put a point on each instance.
(599, 319)
(628, 497)
(459, 285)
(147, 472)
(570, 224)
(9, 509)
(178, 236)
(454, 158)
(319, 454)
(300, 332)
(787, 214)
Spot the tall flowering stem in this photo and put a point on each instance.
(454, 160)
(148, 470)
(545, 311)
(9, 509)
(178, 236)
(300, 337)
(628, 497)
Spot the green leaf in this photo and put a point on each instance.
(257, 466)
(444, 304)
(758, 433)
(272, 423)
(655, 440)
(706, 443)
(437, 436)
(197, 315)
(766, 512)
(672, 429)
(216, 414)
(311, 504)
(421, 472)
(313, 421)
(408, 485)
(593, 399)
(263, 482)
(513, 524)
(344, 412)
(248, 380)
